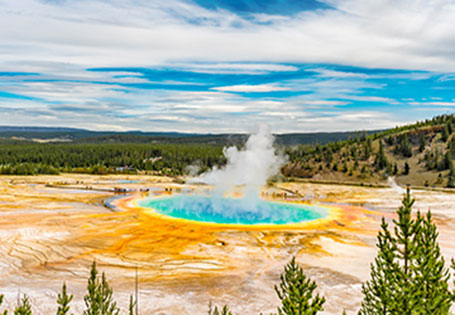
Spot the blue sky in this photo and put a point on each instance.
(225, 66)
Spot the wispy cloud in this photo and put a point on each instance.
(218, 66)
(252, 88)
(400, 34)
(236, 68)
(443, 104)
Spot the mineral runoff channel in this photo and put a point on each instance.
(53, 227)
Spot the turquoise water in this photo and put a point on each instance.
(232, 210)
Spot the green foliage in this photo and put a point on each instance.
(381, 160)
(28, 169)
(63, 301)
(98, 300)
(379, 290)
(445, 133)
(433, 160)
(173, 155)
(131, 306)
(408, 275)
(1, 302)
(404, 147)
(215, 311)
(92, 299)
(422, 142)
(434, 294)
(453, 268)
(367, 149)
(395, 169)
(296, 292)
(445, 163)
(451, 178)
(169, 159)
(451, 145)
(345, 167)
(24, 307)
(389, 140)
(406, 168)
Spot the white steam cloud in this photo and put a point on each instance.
(249, 167)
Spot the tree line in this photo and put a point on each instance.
(408, 276)
(166, 159)
(362, 157)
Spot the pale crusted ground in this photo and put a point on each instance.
(48, 235)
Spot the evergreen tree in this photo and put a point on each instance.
(1, 302)
(63, 301)
(422, 142)
(24, 307)
(451, 144)
(378, 291)
(215, 311)
(98, 300)
(92, 299)
(408, 275)
(296, 292)
(446, 162)
(405, 231)
(366, 149)
(108, 305)
(453, 267)
(131, 306)
(451, 178)
(381, 160)
(406, 168)
(445, 134)
(395, 169)
(432, 275)
(404, 147)
(389, 140)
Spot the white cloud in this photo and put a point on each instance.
(59, 40)
(432, 103)
(235, 68)
(252, 88)
(325, 102)
(402, 34)
(323, 72)
(379, 99)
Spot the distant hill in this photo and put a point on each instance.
(74, 133)
(419, 154)
(37, 129)
(57, 134)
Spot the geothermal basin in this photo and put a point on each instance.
(53, 227)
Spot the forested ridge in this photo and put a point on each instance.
(418, 154)
(167, 159)
(39, 134)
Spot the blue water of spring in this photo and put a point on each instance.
(232, 210)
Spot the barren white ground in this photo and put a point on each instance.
(50, 235)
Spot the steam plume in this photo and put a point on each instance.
(251, 166)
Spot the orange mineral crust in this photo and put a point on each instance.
(53, 227)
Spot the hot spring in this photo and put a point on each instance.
(223, 210)
(247, 168)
